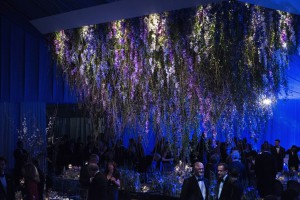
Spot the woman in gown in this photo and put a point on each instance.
(113, 178)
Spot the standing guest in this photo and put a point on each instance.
(84, 177)
(21, 156)
(7, 191)
(203, 148)
(167, 158)
(120, 153)
(90, 147)
(131, 153)
(41, 184)
(238, 167)
(140, 161)
(113, 178)
(196, 186)
(98, 186)
(228, 189)
(279, 153)
(293, 158)
(265, 170)
(32, 180)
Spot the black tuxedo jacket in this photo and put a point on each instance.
(9, 194)
(98, 188)
(191, 190)
(279, 156)
(231, 190)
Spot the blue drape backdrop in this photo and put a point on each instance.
(28, 81)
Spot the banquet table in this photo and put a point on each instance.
(65, 186)
(128, 195)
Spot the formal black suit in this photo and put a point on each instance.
(231, 190)
(98, 188)
(9, 193)
(279, 156)
(265, 170)
(191, 190)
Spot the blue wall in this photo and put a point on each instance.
(28, 81)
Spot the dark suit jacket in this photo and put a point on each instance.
(10, 192)
(265, 170)
(98, 188)
(278, 157)
(191, 190)
(231, 190)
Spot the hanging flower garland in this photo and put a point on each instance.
(199, 68)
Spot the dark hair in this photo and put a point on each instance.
(277, 140)
(113, 163)
(3, 159)
(265, 147)
(94, 157)
(224, 165)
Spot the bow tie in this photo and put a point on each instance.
(221, 180)
(200, 179)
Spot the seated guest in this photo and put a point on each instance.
(84, 178)
(196, 186)
(113, 178)
(7, 190)
(228, 189)
(98, 186)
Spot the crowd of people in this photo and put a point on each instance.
(235, 165)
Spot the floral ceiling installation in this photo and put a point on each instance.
(203, 68)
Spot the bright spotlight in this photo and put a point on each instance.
(267, 101)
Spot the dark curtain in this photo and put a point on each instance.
(28, 81)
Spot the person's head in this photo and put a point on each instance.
(293, 148)
(198, 168)
(222, 170)
(265, 147)
(3, 162)
(30, 172)
(111, 166)
(94, 158)
(277, 143)
(235, 155)
(20, 144)
(140, 139)
(93, 169)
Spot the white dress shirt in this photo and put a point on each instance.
(202, 187)
(221, 186)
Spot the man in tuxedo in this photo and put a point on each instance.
(228, 188)
(265, 170)
(84, 178)
(7, 191)
(98, 187)
(196, 186)
(279, 153)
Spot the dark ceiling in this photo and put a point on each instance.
(35, 9)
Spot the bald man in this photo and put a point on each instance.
(196, 186)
